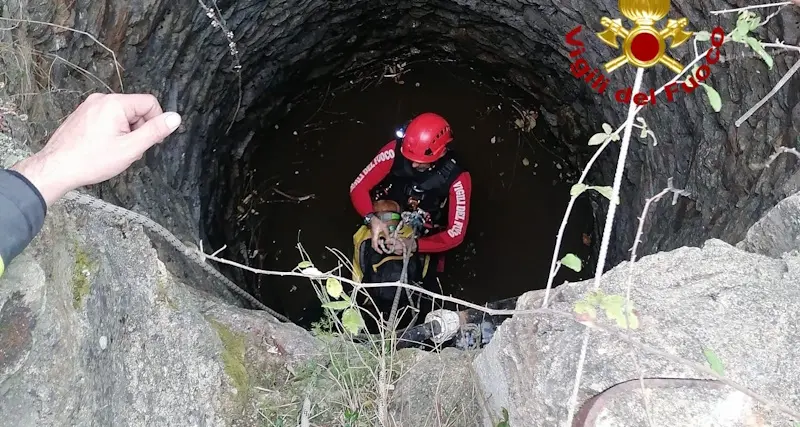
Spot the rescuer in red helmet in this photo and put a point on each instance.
(418, 171)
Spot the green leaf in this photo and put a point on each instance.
(598, 138)
(352, 321)
(702, 36)
(305, 264)
(595, 297)
(714, 361)
(505, 414)
(614, 306)
(759, 49)
(737, 36)
(577, 189)
(336, 305)
(572, 262)
(744, 22)
(607, 128)
(753, 20)
(334, 287)
(585, 307)
(713, 97)
(605, 191)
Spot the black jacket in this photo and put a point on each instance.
(428, 191)
(22, 212)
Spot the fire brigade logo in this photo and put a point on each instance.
(644, 45)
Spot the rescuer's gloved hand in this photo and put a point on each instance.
(378, 227)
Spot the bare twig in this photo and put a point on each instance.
(217, 20)
(554, 264)
(774, 156)
(626, 138)
(434, 295)
(756, 6)
(780, 46)
(290, 197)
(117, 66)
(774, 90)
(628, 285)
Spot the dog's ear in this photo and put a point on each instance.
(385, 206)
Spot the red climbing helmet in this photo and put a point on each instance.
(425, 138)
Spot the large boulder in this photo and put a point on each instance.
(96, 330)
(740, 305)
(777, 232)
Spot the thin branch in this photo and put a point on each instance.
(573, 399)
(293, 198)
(774, 156)
(117, 66)
(774, 90)
(756, 6)
(781, 46)
(612, 206)
(357, 285)
(771, 15)
(626, 139)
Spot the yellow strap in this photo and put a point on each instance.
(2, 267)
(388, 258)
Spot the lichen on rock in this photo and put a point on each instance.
(233, 357)
(81, 277)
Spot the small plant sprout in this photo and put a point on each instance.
(714, 361)
(605, 190)
(608, 134)
(613, 306)
(645, 131)
(747, 22)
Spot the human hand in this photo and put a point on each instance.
(378, 227)
(98, 141)
(398, 244)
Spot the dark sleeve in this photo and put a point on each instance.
(22, 211)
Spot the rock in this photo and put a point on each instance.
(777, 232)
(95, 330)
(438, 389)
(738, 304)
(673, 402)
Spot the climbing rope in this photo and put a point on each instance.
(192, 254)
(413, 220)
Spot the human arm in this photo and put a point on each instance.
(458, 218)
(99, 140)
(22, 211)
(370, 176)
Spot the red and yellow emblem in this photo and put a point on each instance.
(644, 46)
